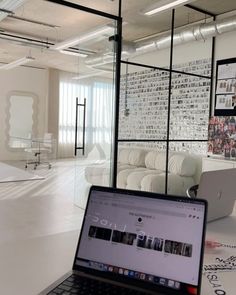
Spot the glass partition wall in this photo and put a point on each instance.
(165, 104)
(87, 101)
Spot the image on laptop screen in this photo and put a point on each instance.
(155, 241)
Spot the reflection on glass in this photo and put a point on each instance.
(20, 120)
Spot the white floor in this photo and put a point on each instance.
(36, 208)
(39, 226)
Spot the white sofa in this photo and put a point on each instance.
(143, 169)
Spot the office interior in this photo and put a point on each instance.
(107, 110)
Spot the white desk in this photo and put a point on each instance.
(29, 266)
(211, 163)
(224, 231)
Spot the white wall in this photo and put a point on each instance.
(24, 79)
(225, 46)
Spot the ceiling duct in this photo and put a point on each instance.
(194, 33)
(199, 32)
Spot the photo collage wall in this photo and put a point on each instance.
(144, 106)
(222, 136)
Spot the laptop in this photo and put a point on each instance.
(218, 188)
(135, 242)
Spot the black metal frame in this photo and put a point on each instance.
(171, 71)
(83, 105)
(223, 112)
(117, 100)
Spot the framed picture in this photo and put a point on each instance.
(225, 95)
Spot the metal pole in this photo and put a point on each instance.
(83, 146)
(169, 100)
(76, 125)
(117, 97)
(212, 74)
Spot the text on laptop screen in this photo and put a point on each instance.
(158, 240)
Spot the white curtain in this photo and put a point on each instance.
(99, 115)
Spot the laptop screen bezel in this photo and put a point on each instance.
(130, 281)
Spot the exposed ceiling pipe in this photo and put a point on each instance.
(194, 33)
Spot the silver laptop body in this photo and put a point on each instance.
(218, 188)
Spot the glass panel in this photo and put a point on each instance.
(151, 39)
(93, 85)
(191, 147)
(95, 166)
(191, 167)
(142, 166)
(189, 105)
(143, 103)
(192, 38)
(190, 99)
(20, 123)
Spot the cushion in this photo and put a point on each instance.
(150, 159)
(182, 164)
(134, 179)
(137, 157)
(123, 175)
(160, 162)
(121, 167)
(156, 160)
(177, 185)
(132, 156)
(124, 156)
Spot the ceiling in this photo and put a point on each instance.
(21, 35)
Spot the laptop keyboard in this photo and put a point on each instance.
(86, 286)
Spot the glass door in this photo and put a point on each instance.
(87, 100)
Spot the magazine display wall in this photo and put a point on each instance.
(225, 97)
(144, 107)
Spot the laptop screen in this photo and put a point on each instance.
(153, 240)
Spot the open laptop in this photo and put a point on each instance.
(218, 188)
(135, 242)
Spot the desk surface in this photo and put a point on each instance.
(28, 266)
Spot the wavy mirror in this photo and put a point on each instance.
(21, 121)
